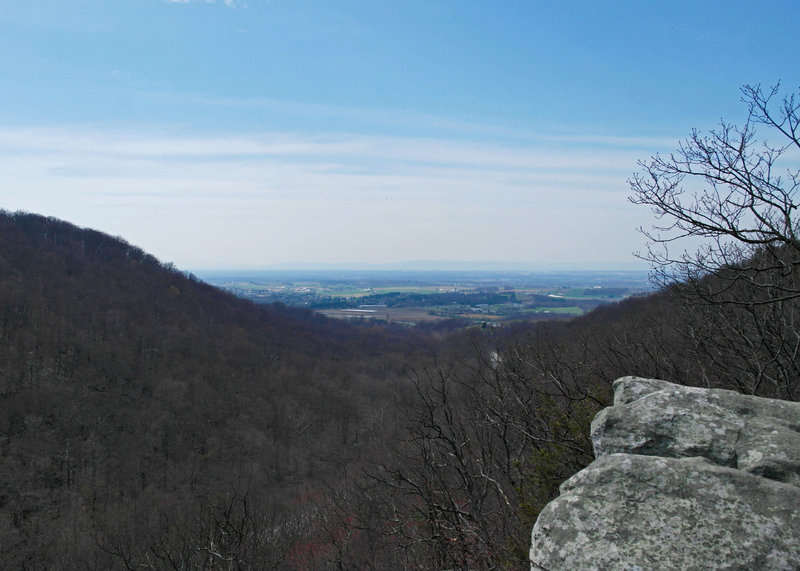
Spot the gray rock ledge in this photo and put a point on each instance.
(685, 478)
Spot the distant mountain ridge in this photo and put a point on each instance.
(452, 265)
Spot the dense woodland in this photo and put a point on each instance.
(135, 398)
(151, 421)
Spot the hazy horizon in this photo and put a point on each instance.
(268, 134)
(435, 265)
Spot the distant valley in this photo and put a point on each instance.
(151, 420)
(412, 297)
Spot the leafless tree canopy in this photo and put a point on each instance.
(736, 189)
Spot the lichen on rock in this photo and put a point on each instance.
(685, 478)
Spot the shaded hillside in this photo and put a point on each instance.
(148, 420)
(134, 396)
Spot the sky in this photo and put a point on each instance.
(250, 134)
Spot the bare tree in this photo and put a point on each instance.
(736, 192)
(490, 438)
(740, 291)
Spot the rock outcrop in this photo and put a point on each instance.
(684, 478)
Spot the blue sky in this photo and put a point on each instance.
(244, 134)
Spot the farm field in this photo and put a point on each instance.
(423, 297)
(405, 315)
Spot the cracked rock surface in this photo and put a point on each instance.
(685, 478)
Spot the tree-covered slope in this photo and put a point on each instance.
(150, 420)
(132, 393)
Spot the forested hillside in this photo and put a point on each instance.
(134, 399)
(150, 420)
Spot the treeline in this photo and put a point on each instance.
(411, 299)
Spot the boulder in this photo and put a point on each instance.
(685, 478)
(657, 418)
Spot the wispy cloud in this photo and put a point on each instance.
(277, 197)
(548, 153)
(229, 3)
(438, 126)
